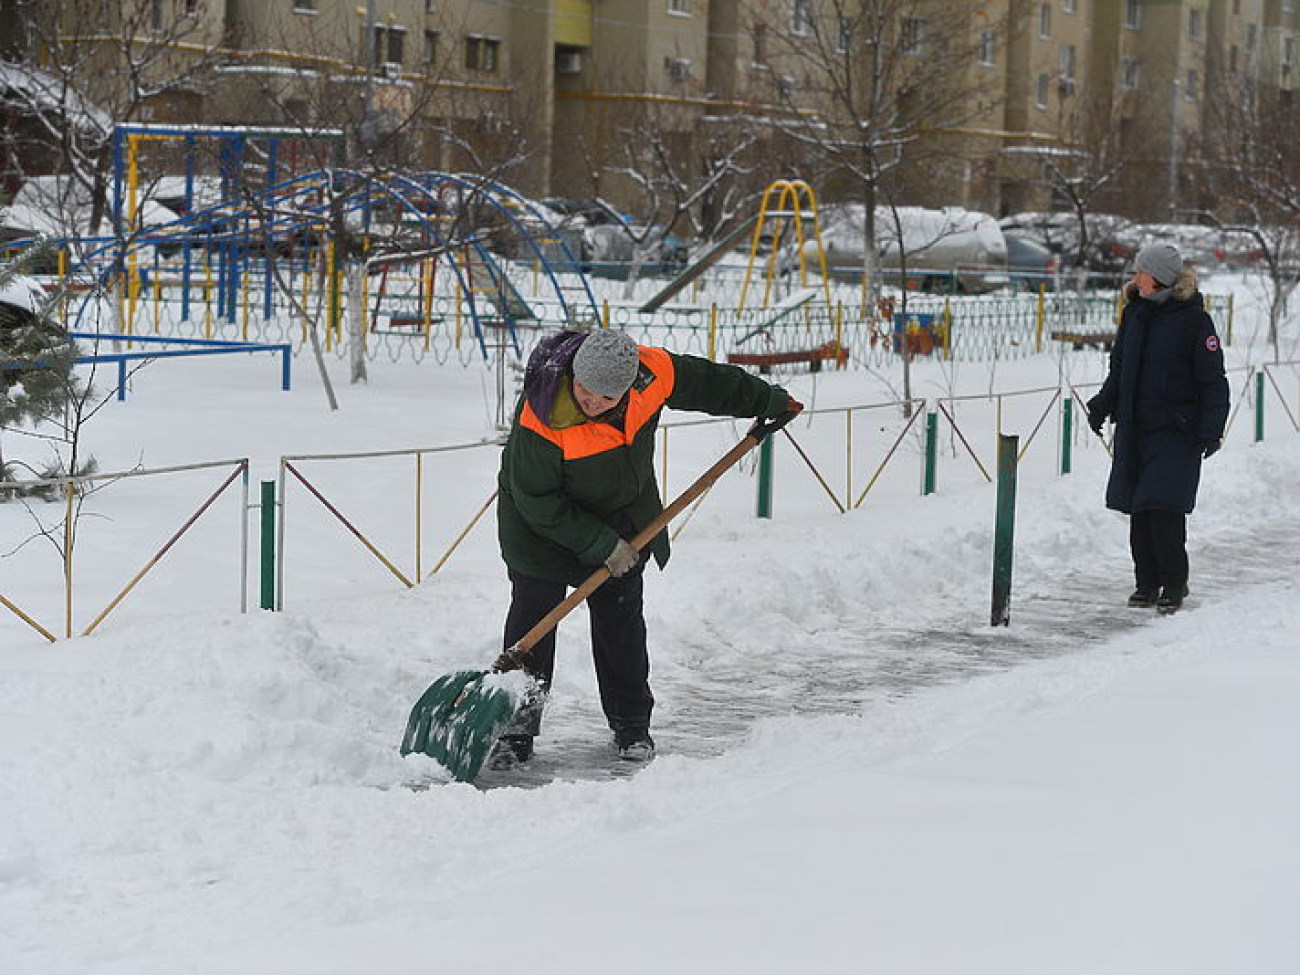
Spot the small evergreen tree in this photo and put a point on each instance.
(37, 385)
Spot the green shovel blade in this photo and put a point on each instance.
(458, 719)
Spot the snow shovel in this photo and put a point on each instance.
(462, 714)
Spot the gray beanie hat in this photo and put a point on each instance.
(1161, 261)
(606, 363)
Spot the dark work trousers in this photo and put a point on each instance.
(1158, 540)
(618, 646)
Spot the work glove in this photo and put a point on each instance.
(1210, 446)
(622, 560)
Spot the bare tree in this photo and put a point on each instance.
(1255, 173)
(129, 51)
(868, 87)
(1088, 162)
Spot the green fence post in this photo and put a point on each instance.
(1004, 530)
(1067, 433)
(1259, 406)
(268, 545)
(931, 450)
(765, 478)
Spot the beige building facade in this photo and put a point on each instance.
(557, 96)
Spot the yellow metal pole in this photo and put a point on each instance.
(63, 283)
(713, 332)
(207, 299)
(28, 620)
(848, 459)
(947, 329)
(1042, 316)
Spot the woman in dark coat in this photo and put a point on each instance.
(1168, 396)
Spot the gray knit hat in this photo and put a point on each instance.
(606, 363)
(1162, 261)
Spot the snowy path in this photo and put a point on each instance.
(706, 709)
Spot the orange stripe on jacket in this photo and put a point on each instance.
(593, 437)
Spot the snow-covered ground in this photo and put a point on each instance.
(856, 773)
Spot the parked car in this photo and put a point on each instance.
(1030, 264)
(1205, 247)
(609, 238)
(1112, 241)
(948, 249)
(65, 205)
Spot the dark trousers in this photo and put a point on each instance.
(618, 646)
(1158, 540)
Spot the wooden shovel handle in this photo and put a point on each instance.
(513, 658)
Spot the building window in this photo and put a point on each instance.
(1130, 73)
(1233, 59)
(1040, 94)
(1067, 68)
(482, 53)
(1288, 55)
(430, 6)
(430, 53)
(387, 46)
(801, 17)
(1191, 88)
(1252, 37)
(1132, 14)
(304, 6)
(845, 36)
(678, 69)
(681, 7)
(1070, 6)
(1194, 24)
(988, 47)
(760, 43)
(912, 36)
(1044, 20)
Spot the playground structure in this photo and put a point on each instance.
(454, 267)
(329, 249)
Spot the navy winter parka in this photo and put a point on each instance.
(1168, 395)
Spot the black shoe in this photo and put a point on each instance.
(634, 744)
(509, 751)
(1171, 599)
(1143, 598)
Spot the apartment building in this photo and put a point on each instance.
(1021, 95)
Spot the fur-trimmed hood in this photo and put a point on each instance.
(1184, 288)
(1185, 285)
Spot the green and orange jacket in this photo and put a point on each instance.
(571, 486)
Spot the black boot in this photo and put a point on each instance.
(1171, 599)
(509, 751)
(634, 744)
(1144, 598)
